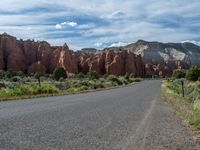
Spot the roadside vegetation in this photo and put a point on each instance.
(17, 85)
(182, 91)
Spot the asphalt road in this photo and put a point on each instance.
(133, 117)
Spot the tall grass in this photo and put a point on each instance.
(189, 106)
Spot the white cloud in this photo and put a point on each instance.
(63, 24)
(72, 24)
(58, 26)
(118, 44)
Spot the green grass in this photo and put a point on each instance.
(189, 106)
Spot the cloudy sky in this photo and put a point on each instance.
(100, 23)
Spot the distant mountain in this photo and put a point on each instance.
(89, 50)
(163, 52)
(163, 58)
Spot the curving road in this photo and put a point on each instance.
(133, 117)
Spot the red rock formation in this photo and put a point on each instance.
(30, 51)
(14, 56)
(131, 67)
(44, 54)
(114, 63)
(62, 57)
(1, 59)
(98, 63)
(32, 57)
(37, 67)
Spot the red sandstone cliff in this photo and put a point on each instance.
(32, 57)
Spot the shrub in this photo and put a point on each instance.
(11, 85)
(72, 90)
(114, 79)
(29, 90)
(16, 79)
(20, 73)
(10, 73)
(2, 85)
(63, 86)
(83, 88)
(80, 75)
(99, 85)
(85, 83)
(124, 80)
(177, 74)
(59, 73)
(108, 84)
(193, 73)
(126, 76)
(2, 74)
(92, 75)
(76, 83)
(47, 89)
(29, 79)
(105, 76)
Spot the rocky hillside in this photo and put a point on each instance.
(30, 57)
(163, 58)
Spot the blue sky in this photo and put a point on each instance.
(101, 23)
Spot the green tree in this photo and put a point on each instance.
(178, 74)
(59, 73)
(193, 73)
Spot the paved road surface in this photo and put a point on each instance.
(132, 118)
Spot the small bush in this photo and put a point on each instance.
(126, 76)
(178, 74)
(59, 73)
(72, 90)
(92, 75)
(29, 79)
(16, 79)
(10, 73)
(85, 83)
(99, 85)
(63, 86)
(124, 80)
(2, 74)
(80, 75)
(83, 88)
(76, 83)
(193, 73)
(20, 73)
(108, 84)
(2, 85)
(114, 79)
